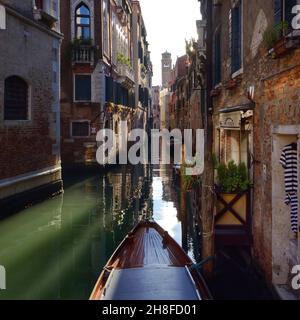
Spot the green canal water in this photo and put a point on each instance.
(57, 249)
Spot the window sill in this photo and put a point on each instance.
(79, 137)
(237, 73)
(16, 122)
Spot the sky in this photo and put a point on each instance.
(168, 24)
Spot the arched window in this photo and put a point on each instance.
(15, 99)
(83, 22)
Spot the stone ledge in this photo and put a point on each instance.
(19, 201)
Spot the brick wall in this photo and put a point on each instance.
(26, 146)
(277, 102)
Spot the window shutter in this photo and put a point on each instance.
(15, 99)
(141, 94)
(230, 32)
(109, 89)
(81, 129)
(83, 88)
(278, 11)
(217, 58)
(236, 39)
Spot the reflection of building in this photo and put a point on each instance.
(29, 102)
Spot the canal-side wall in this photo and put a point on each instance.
(30, 148)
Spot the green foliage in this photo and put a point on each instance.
(274, 34)
(143, 67)
(81, 42)
(122, 59)
(233, 178)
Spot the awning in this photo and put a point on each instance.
(241, 107)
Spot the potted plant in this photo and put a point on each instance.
(81, 42)
(232, 188)
(123, 60)
(274, 39)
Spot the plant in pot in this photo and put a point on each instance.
(232, 178)
(123, 60)
(232, 186)
(274, 39)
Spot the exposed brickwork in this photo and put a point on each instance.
(277, 83)
(27, 145)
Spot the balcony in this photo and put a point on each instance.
(44, 12)
(126, 75)
(83, 54)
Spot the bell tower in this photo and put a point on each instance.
(166, 67)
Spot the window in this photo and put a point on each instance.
(83, 91)
(283, 11)
(105, 27)
(39, 4)
(109, 89)
(236, 37)
(15, 99)
(80, 129)
(83, 22)
(217, 58)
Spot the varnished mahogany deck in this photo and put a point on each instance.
(148, 247)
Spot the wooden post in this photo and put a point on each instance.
(207, 208)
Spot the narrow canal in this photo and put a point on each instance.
(57, 249)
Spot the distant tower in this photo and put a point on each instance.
(166, 68)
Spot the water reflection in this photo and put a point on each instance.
(56, 249)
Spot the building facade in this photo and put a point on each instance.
(256, 118)
(106, 73)
(30, 41)
(97, 74)
(142, 67)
